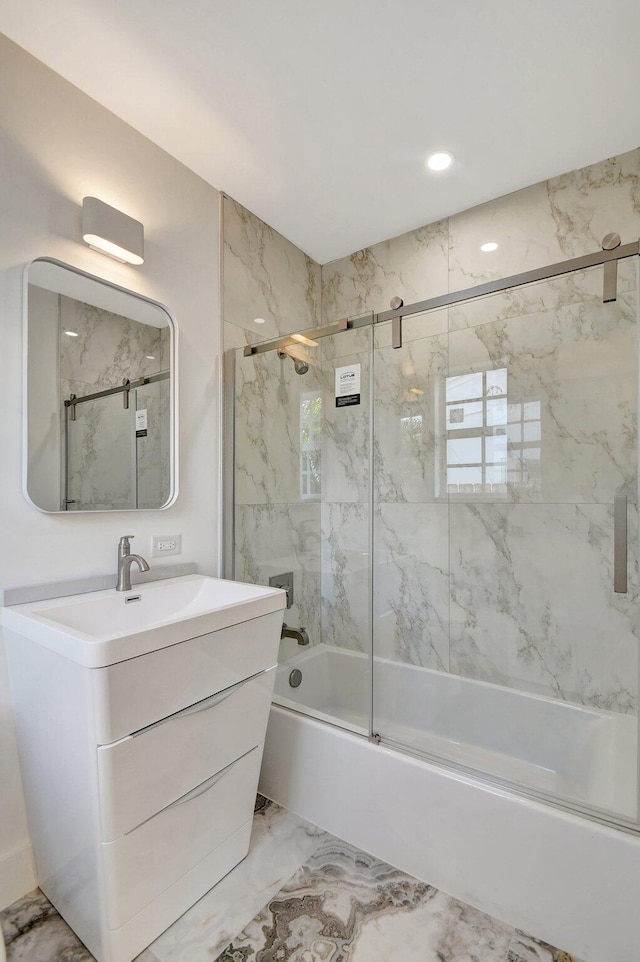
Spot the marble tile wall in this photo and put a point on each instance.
(265, 276)
(511, 584)
(277, 517)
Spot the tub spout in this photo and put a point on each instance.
(300, 634)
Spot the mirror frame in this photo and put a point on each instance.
(173, 389)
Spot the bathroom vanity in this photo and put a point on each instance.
(141, 719)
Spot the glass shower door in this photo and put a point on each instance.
(302, 513)
(506, 470)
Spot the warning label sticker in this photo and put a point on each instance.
(348, 385)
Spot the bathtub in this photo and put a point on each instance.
(559, 749)
(567, 879)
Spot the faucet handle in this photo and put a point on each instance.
(123, 544)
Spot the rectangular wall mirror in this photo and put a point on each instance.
(100, 388)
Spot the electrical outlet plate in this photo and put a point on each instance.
(163, 545)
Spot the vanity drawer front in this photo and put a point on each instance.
(145, 772)
(135, 693)
(141, 865)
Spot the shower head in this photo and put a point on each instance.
(301, 367)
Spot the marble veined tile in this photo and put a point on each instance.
(269, 427)
(567, 428)
(345, 435)
(549, 295)
(564, 217)
(411, 584)
(266, 276)
(345, 904)
(280, 843)
(592, 201)
(412, 266)
(34, 932)
(108, 347)
(408, 418)
(275, 538)
(533, 606)
(524, 948)
(345, 597)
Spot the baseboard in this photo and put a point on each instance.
(17, 875)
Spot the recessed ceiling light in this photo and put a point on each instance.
(71, 333)
(489, 246)
(440, 160)
(258, 320)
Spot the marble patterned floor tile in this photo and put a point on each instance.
(280, 843)
(34, 932)
(524, 948)
(346, 905)
(327, 901)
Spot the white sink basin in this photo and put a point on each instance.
(103, 627)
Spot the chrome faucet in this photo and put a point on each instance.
(125, 560)
(300, 634)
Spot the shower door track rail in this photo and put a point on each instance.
(141, 381)
(447, 300)
(516, 280)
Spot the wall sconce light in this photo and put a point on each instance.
(111, 232)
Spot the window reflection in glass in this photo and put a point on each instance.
(492, 443)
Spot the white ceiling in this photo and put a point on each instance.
(318, 115)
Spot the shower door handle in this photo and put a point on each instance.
(620, 545)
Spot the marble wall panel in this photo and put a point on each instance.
(108, 347)
(268, 401)
(274, 538)
(533, 606)
(530, 581)
(578, 367)
(566, 216)
(412, 266)
(345, 430)
(411, 584)
(549, 295)
(266, 276)
(345, 593)
(408, 416)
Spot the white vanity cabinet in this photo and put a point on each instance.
(140, 775)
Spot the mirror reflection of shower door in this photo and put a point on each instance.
(302, 506)
(505, 430)
(99, 468)
(113, 460)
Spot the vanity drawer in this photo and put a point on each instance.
(145, 772)
(141, 865)
(140, 691)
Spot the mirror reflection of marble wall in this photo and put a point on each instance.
(99, 461)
